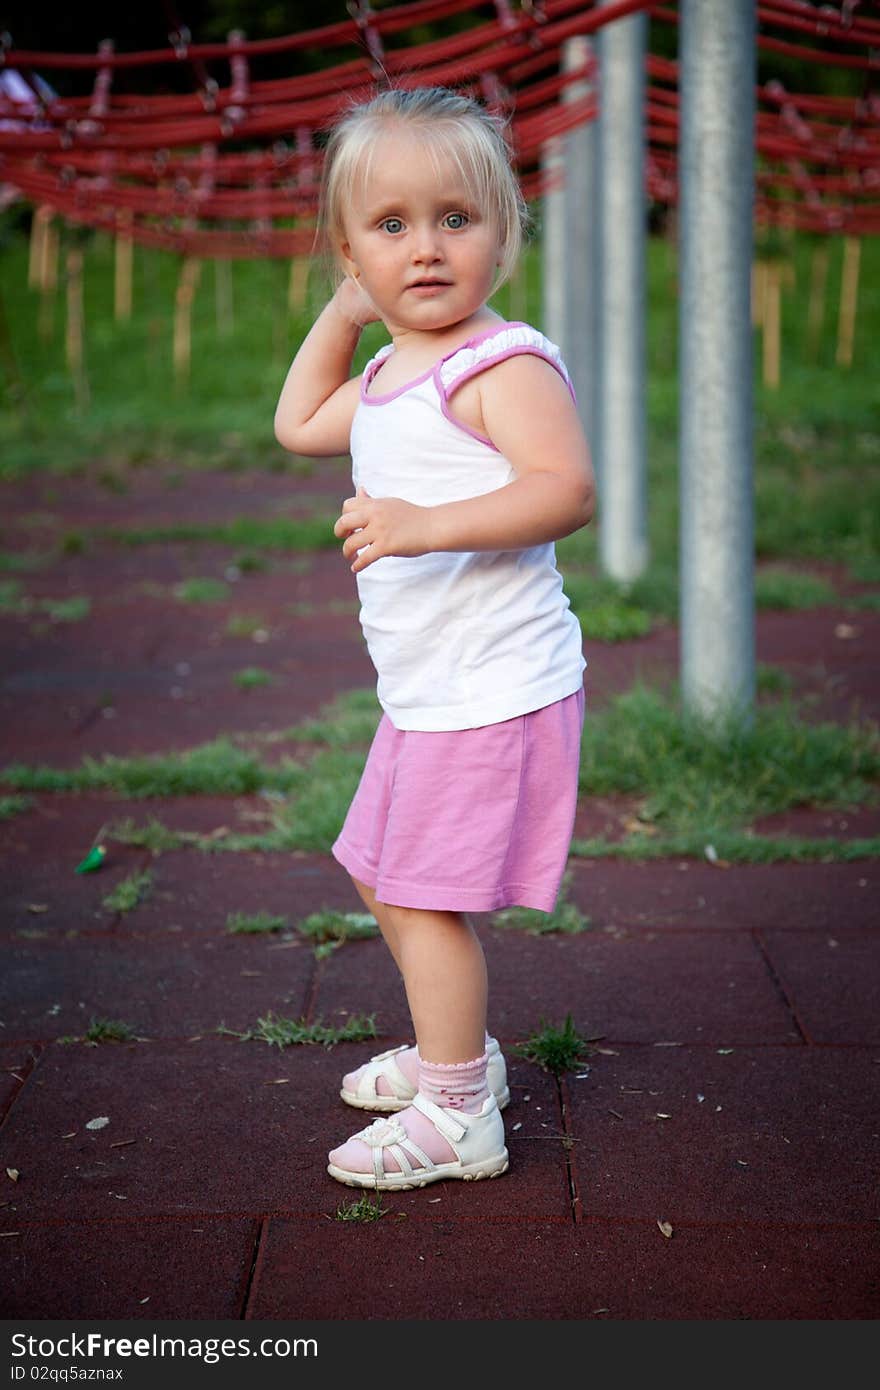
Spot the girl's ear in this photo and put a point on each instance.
(343, 251)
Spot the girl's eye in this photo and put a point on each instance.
(456, 220)
(393, 225)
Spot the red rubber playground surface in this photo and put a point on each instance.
(716, 1160)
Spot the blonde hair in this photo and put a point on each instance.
(452, 125)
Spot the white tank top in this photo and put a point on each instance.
(459, 639)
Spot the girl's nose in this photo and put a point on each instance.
(425, 246)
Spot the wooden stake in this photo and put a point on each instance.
(759, 284)
(123, 266)
(47, 275)
(849, 289)
(771, 321)
(183, 302)
(224, 309)
(816, 309)
(73, 337)
(35, 248)
(298, 286)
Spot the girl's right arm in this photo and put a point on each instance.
(319, 398)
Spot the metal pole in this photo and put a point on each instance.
(554, 256)
(567, 237)
(716, 181)
(619, 430)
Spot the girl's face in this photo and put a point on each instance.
(424, 253)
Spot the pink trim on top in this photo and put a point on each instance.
(528, 349)
(373, 367)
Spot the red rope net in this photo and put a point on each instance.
(231, 168)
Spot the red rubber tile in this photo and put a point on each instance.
(637, 986)
(16, 1061)
(840, 669)
(795, 1139)
(691, 893)
(195, 891)
(49, 989)
(229, 1128)
(833, 981)
(471, 1269)
(634, 986)
(193, 1268)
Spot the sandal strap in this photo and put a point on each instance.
(451, 1129)
(384, 1065)
(390, 1135)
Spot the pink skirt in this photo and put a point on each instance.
(470, 820)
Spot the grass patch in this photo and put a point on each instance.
(245, 625)
(101, 1030)
(66, 610)
(255, 533)
(13, 805)
(791, 589)
(365, 1208)
(773, 680)
(565, 917)
(12, 561)
(732, 847)
(350, 719)
(289, 1032)
(699, 778)
(252, 678)
(252, 923)
(201, 591)
(330, 930)
(557, 1050)
(212, 769)
(129, 892)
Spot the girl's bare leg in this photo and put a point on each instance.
(381, 912)
(444, 971)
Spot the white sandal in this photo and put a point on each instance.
(476, 1140)
(367, 1097)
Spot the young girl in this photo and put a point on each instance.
(468, 462)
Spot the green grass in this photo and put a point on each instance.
(131, 891)
(732, 847)
(108, 1030)
(60, 610)
(786, 588)
(693, 783)
(365, 1208)
(691, 778)
(289, 1032)
(13, 805)
(252, 678)
(271, 533)
(202, 591)
(254, 923)
(556, 1050)
(330, 930)
(565, 919)
(245, 625)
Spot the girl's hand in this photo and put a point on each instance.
(377, 526)
(354, 304)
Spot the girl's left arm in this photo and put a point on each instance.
(531, 419)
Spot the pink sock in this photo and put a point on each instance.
(408, 1062)
(456, 1085)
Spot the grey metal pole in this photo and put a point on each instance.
(554, 252)
(619, 431)
(579, 213)
(716, 183)
(567, 237)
